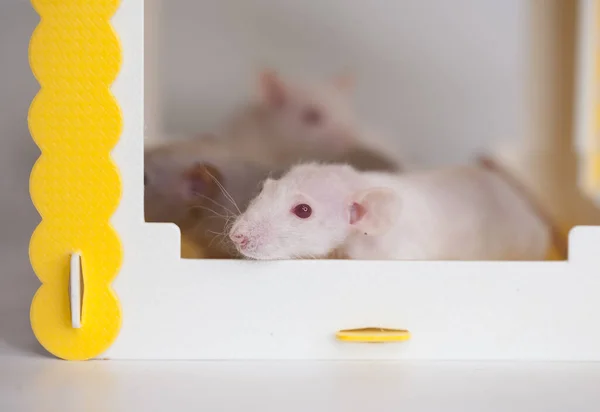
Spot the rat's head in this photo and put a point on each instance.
(316, 115)
(179, 186)
(310, 211)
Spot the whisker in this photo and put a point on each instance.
(225, 192)
(217, 237)
(209, 210)
(216, 203)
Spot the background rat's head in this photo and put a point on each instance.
(309, 212)
(181, 182)
(186, 182)
(309, 115)
(179, 188)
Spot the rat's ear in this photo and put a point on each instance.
(344, 82)
(272, 88)
(373, 211)
(266, 182)
(201, 179)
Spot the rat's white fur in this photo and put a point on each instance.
(463, 213)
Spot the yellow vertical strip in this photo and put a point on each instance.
(75, 55)
(594, 155)
(591, 156)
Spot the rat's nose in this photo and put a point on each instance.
(239, 239)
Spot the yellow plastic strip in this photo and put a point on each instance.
(592, 161)
(373, 335)
(593, 157)
(74, 119)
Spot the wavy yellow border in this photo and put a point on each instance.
(75, 55)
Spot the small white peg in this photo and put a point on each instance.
(75, 290)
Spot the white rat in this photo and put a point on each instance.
(461, 213)
(293, 122)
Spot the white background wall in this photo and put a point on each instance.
(440, 78)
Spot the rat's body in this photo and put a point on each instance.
(464, 213)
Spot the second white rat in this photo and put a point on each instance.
(462, 213)
(293, 122)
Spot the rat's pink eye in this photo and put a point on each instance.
(312, 116)
(303, 211)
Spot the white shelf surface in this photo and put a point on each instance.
(35, 382)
